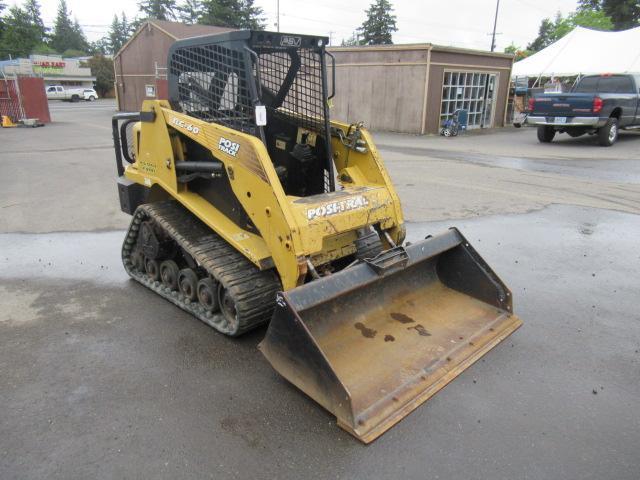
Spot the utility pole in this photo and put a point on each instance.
(495, 24)
(331, 32)
(278, 14)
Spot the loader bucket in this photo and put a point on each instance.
(374, 341)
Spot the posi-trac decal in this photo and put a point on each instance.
(333, 208)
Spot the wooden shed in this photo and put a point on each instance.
(416, 88)
(141, 64)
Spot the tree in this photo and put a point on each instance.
(379, 25)
(624, 13)
(189, 11)
(352, 41)
(67, 35)
(552, 31)
(102, 69)
(20, 36)
(158, 9)
(32, 7)
(99, 47)
(252, 16)
(517, 52)
(119, 33)
(231, 13)
(2, 7)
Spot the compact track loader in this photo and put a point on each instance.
(250, 205)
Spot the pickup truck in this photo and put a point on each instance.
(598, 105)
(58, 92)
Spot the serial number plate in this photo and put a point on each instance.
(560, 120)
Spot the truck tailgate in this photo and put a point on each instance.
(564, 104)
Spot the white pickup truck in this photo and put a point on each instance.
(58, 92)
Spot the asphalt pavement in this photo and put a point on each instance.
(99, 378)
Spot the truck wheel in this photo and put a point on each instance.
(546, 133)
(608, 134)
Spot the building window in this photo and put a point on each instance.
(471, 91)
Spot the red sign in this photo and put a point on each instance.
(44, 64)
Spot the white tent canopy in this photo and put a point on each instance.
(585, 51)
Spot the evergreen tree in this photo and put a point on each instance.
(252, 16)
(20, 36)
(231, 13)
(379, 25)
(67, 35)
(2, 7)
(119, 33)
(32, 7)
(625, 14)
(189, 11)
(158, 9)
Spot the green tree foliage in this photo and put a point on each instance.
(379, 25)
(119, 32)
(158, 9)
(189, 11)
(43, 49)
(102, 69)
(32, 7)
(231, 13)
(99, 47)
(623, 13)
(517, 52)
(20, 36)
(2, 7)
(67, 35)
(551, 31)
(352, 41)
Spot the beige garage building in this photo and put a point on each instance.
(400, 88)
(415, 88)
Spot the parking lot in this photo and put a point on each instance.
(99, 378)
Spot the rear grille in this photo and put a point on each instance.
(303, 101)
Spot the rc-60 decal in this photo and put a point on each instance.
(333, 208)
(187, 126)
(228, 147)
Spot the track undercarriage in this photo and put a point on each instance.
(170, 251)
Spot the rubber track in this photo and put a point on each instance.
(254, 290)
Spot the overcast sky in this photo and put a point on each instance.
(463, 23)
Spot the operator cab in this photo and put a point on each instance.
(237, 79)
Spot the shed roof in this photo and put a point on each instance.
(420, 46)
(176, 30)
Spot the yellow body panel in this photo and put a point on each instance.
(292, 229)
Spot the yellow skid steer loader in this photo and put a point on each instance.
(250, 205)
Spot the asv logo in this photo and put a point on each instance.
(187, 126)
(289, 41)
(229, 147)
